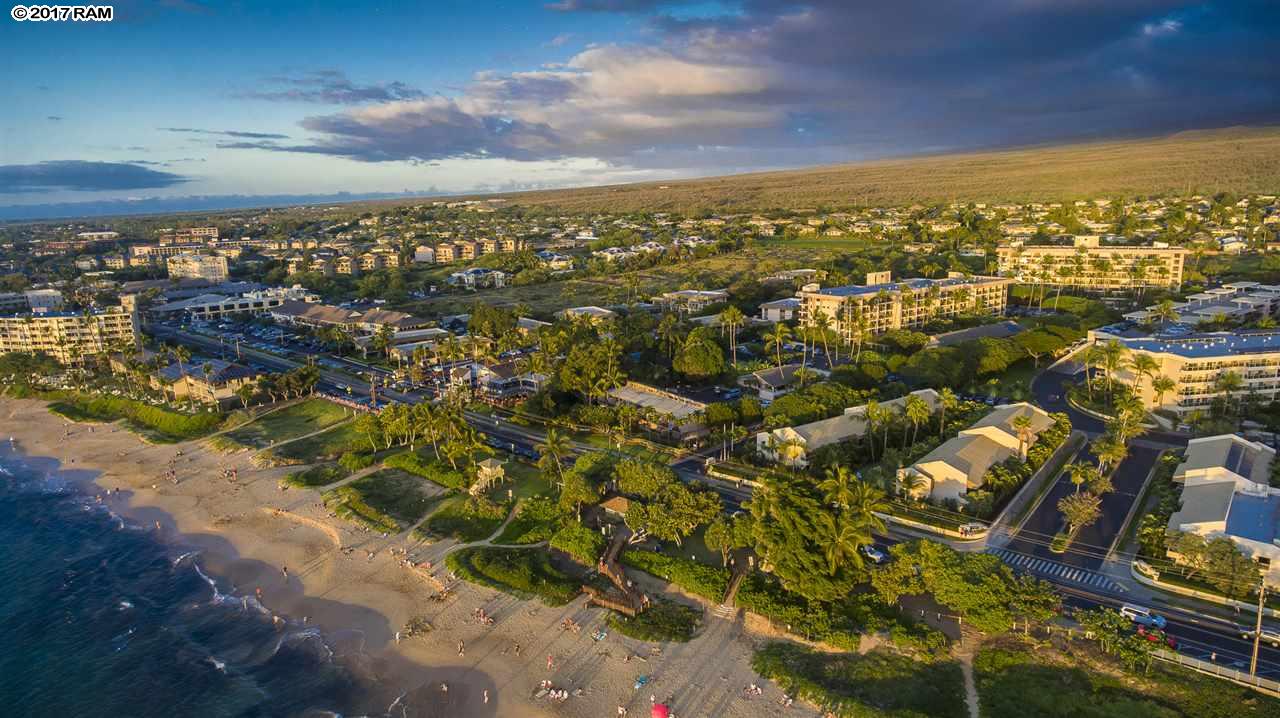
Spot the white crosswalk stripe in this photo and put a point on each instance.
(1055, 570)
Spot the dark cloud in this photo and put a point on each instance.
(227, 133)
(334, 88)
(777, 83)
(82, 176)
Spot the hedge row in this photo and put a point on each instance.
(431, 471)
(580, 542)
(700, 579)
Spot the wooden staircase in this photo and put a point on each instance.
(628, 600)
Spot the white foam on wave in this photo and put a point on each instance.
(125, 605)
(218, 596)
(221, 666)
(185, 556)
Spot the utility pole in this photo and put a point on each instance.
(1257, 628)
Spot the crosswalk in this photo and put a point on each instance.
(1045, 568)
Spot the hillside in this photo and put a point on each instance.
(1241, 160)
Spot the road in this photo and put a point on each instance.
(1198, 635)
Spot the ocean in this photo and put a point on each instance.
(100, 617)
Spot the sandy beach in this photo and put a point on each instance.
(354, 585)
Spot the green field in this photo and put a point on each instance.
(526, 573)
(288, 423)
(389, 500)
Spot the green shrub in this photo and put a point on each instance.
(526, 573)
(663, 621)
(879, 683)
(354, 461)
(162, 424)
(319, 475)
(580, 542)
(699, 579)
(433, 471)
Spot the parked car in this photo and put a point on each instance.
(1143, 616)
(875, 555)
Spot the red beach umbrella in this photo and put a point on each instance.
(660, 710)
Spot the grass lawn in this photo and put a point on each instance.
(388, 500)
(523, 572)
(328, 444)
(1016, 680)
(464, 519)
(1014, 383)
(879, 683)
(316, 476)
(289, 423)
(538, 520)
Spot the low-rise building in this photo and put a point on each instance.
(960, 464)
(477, 277)
(215, 306)
(771, 383)
(792, 445)
(690, 301)
(208, 381)
(595, 315)
(675, 416)
(1226, 494)
(780, 310)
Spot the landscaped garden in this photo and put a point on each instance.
(527, 573)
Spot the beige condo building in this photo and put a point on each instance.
(198, 266)
(1088, 266)
(882, 305)
(68, 337)
(1196, 363)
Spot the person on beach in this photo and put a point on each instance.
(462, 649)
(486, 696)
(285, 571)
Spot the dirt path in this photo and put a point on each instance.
(964, 653)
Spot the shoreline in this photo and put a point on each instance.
(248, 531)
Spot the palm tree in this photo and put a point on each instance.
(182, 355)
(780, 334)
(837, 488)
(1081, 474)
(1110, 451)
(1162, 385)
(1143, 365)
(917, 411)
(1164, 312)
(876, 415)
(822, 327)
(1112, 358)
(1022, 424)
(844, 534)
(946, 400)
(732, 318)
(555, 446)
(1228, 383)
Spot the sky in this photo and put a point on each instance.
(179, 98)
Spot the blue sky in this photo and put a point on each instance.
(186, 98)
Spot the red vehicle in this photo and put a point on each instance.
(1157, 636)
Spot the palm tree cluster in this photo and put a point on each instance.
(452, 438)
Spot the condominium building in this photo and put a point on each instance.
(1196, 363)
(1089, 266)
(198, 266)
(882, 305)
(68, 337)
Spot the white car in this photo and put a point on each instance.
(1269, 636)
(874, 554)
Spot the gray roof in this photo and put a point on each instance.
(220, 372)
(1203, 503)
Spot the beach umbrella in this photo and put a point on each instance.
(660, 710)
